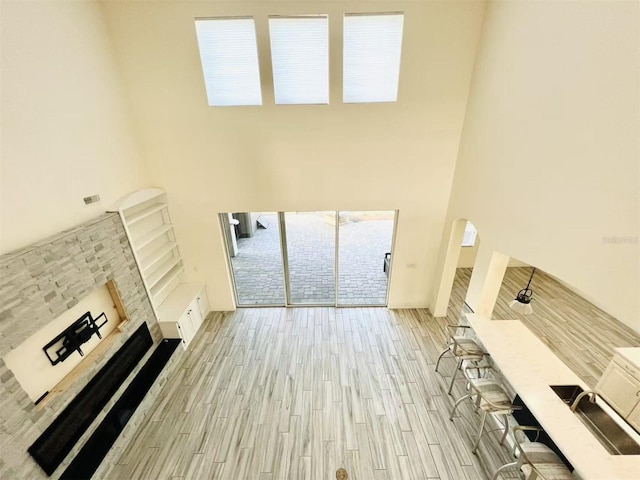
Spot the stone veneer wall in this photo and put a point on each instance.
(37, 284)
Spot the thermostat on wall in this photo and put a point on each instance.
(91, 199)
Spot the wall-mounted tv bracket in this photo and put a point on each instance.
(73, 337)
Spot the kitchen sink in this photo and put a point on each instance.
(608, 432)
(567, 393)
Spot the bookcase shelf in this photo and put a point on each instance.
(142, 214)
(165, 281)
(162, 270)
(155, 256)
(149, 237)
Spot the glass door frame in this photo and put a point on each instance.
(222, 218)
(396, 214)
(223, 222)
(285, 261)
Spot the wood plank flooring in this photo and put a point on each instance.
(278, 393)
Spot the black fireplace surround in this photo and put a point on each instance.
(50, 449)
(96, 448)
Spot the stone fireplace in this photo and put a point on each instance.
(37, 285)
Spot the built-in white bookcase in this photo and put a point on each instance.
(146, 219)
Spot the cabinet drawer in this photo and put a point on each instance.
(628, 367)
(619, 389)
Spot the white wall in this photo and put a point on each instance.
(549, 159)
(269, 158)
(468, 255)
(66, 128)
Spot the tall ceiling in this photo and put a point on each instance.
(301, 157)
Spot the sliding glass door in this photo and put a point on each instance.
(310, 258)
(253, 240)
(310, 239)
(364, 257)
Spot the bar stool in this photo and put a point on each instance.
(535, 460)
(489, 396)
(462, 348)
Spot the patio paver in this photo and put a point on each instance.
(310, 244)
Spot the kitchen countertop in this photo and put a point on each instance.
(631, 354)
(529, 366)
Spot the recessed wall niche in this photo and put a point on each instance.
(31, 366)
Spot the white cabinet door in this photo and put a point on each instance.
(194, 315)
(619, 389)
(203, 304)
(185, 327)
(634, 417)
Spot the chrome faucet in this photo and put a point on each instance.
(592, 399)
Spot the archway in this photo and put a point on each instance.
(462, 248)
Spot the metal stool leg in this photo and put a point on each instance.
(507, 466)
(475, 446)
(453, 377)
(475, 362)
(476, 404)
(455, 406)
(440, 358)
(506, 429)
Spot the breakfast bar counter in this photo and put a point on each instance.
(530, 367)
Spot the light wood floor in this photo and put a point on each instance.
(280, 393)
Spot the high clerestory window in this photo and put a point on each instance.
(300, 59)
(229, 55)
(372, 48)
